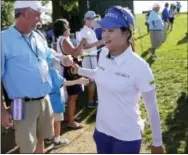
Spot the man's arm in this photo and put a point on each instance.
(70, 49)
(53, 57)
(75, 82)
(97, 44)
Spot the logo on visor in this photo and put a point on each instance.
(111, 15)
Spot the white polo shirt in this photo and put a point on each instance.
(119, 83)
(90, 36)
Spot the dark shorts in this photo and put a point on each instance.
(171, 19)
(109, 145)
(76, 89)
(178, 10)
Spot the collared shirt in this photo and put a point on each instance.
(165, 15)
(56, 96)
(20, 67)
(119, 82)
(156, 18)
(90, 36)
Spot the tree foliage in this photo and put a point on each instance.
(7, 13)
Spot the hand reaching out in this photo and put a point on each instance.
(83, 80)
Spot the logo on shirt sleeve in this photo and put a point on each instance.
(151, 82)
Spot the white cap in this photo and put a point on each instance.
(156, 5)
(35, 5)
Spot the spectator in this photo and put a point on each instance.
(165, 17)
(25, 61)
(178, 6)
(65, 47)
(90, 61)
(172, 13)
(58, 102)
(156, 28)
(50, 36)
(98, 31)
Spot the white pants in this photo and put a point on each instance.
(90, 62)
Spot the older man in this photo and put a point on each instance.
(156, 27)
(25, 74)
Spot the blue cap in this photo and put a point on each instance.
(90, 15)
(117, 17)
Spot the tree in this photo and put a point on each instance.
(7, 13)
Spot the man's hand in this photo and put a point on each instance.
(67, 60)
(6, 120)
(101, 43)
(157, 150)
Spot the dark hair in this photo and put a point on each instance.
(60, 27)
(130, 39)
(166, 4)
(17, 13)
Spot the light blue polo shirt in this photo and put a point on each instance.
(159, 25)
(20, 68)
(57, 101)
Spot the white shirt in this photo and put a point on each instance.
(119, 83)
(172, 13)
(61, 51)
(90, 36)
(59, 45)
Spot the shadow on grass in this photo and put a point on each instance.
(8, 144)
(176, 136)
(145, 53)
(82, 110)
(150, 60)
(140, 37)
(183, 40)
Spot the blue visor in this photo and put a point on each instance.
(115, 18)
(108, 24)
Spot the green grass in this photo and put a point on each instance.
(170, 71)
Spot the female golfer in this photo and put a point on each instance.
(121, 76)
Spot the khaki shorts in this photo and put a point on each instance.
(157, 38)
(37, 123)
(165, 29)
(58, 116)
